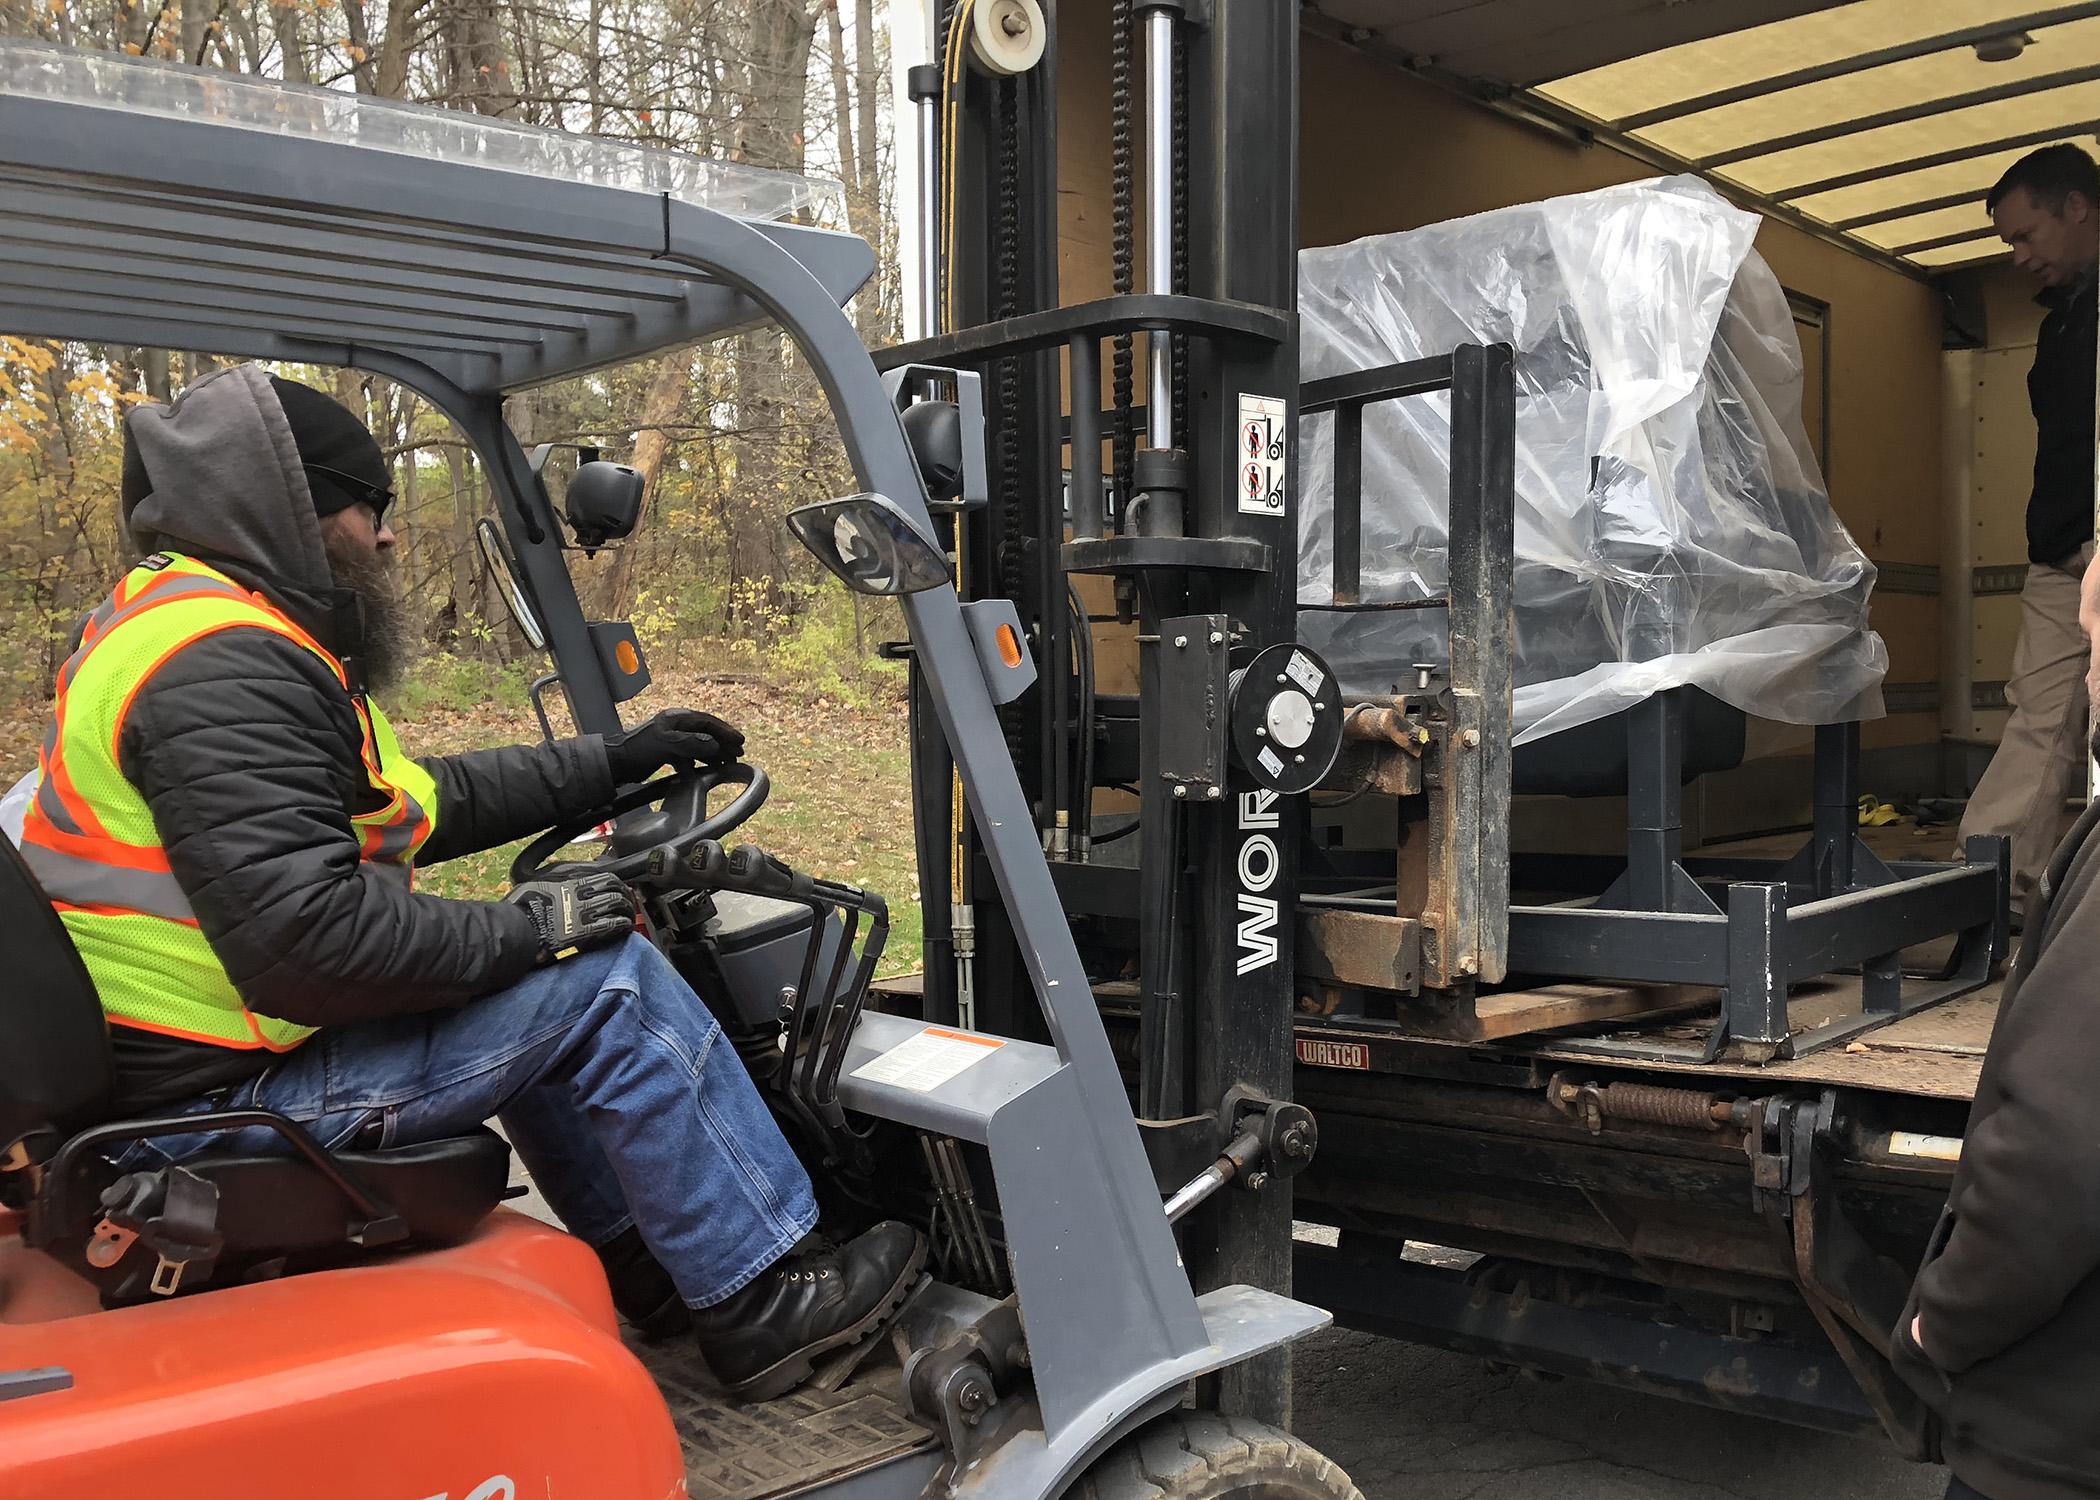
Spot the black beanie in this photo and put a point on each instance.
(328, 435)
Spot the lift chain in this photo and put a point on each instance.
(1122, 237)
(1180, 249)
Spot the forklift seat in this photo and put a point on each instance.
(1590, 760)
(215, 1213)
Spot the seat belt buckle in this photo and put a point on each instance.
(167, 1276)
(174, 1211)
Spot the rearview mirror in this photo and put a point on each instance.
(604, 502)
(873, 546)
(497, 558)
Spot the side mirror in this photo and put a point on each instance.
(604, 502)
(871, 544)
(497, 558)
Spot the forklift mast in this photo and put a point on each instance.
(1195, 522)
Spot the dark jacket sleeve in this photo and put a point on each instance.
(490, 797)
(2026, 1198)
(245, 747)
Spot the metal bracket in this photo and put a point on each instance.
(1195, 704)
(1855, 1293)
(39, 1381)
(1267, 1138)
(1779, 1141)
(539, 705)
(899, 385)
(953, 1386)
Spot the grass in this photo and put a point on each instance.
(841, 799)
(821, 818)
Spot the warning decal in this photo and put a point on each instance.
(925, 1062)
(1261, 453)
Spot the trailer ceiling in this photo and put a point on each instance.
(1879, 122)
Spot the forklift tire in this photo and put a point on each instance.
(1203, 1456)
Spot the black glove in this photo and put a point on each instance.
(677, 736)
(572, 915)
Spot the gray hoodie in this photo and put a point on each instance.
(217, 476)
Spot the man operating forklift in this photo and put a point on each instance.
(228, 828)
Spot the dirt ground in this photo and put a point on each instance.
(1411, 1423)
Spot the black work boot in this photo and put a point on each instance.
(642, 1289)
(818, 1297)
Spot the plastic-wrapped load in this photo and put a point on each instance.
(1672, 527)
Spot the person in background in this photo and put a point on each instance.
(2047, 208)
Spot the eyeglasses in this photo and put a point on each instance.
(361, 492)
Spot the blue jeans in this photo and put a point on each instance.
(615, 1085)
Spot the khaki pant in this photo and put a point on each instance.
(2043, 752)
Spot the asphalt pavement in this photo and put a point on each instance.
(1412, 1423)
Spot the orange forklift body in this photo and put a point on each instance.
(490, 1371)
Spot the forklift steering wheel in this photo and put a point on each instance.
(682, 822)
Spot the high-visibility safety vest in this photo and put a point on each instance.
(89, 834)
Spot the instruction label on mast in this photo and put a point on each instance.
(1261, 455)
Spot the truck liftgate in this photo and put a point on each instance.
(1680, 1120)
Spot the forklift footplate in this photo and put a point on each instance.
(736, 1451)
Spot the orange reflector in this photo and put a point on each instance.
(630, 660)
(1009, 646)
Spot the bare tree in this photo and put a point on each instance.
(727, 437)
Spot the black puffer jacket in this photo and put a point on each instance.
(2060, 391)
(2009, 1294)
(246, 749)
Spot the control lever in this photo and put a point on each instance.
(746, 868)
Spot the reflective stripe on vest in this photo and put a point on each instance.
(90, 838)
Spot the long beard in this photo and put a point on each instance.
(389, 639)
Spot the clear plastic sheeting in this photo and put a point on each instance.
(1672, 527)
(173, 91)
(14, 807)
